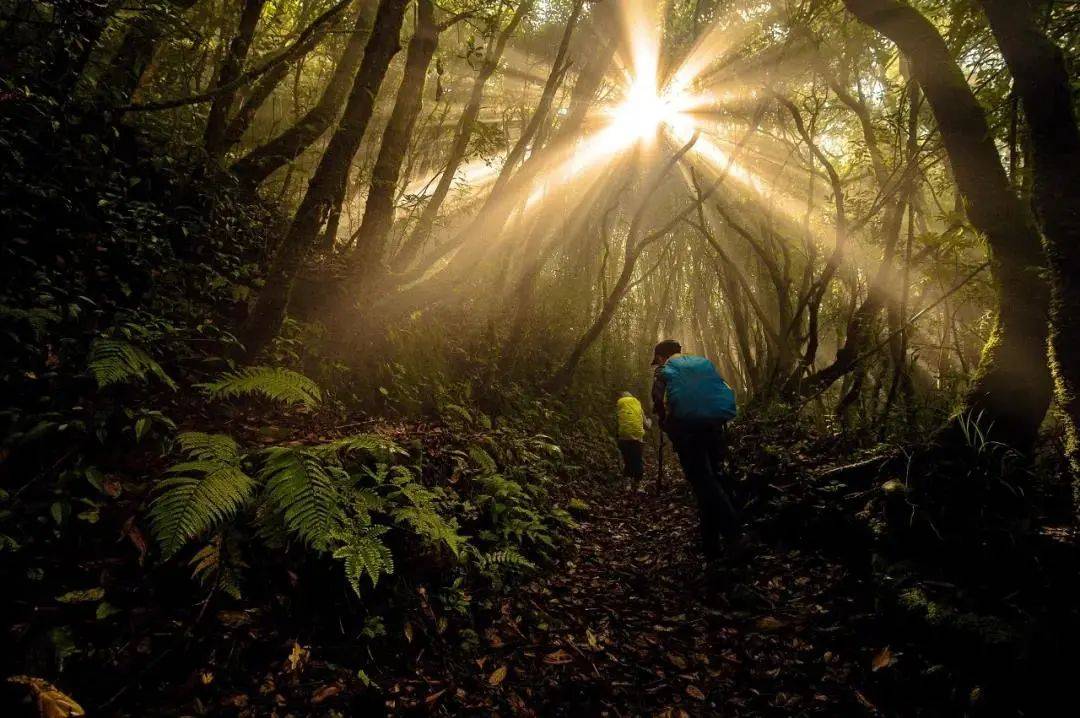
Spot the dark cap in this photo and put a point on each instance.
(665, 349)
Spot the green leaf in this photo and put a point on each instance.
(113, 361)
(84, 596)
(201, 493)
(142, 425)
(304, 492)
(363, 553)
(105, 610)
(275, 383)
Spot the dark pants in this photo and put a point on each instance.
(633, 456)
(701, 452)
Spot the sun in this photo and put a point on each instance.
(643, 111)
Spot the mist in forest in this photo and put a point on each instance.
(539, 357)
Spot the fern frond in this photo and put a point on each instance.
(209, 447)
(482, 459)
(275, 383)
(505, 558)
(304, 491)
(215, 566)
(38, 318)
(205, 495)
(455, 411)
(377, 446)
(363, 553)
(112, 361)
(431, 526)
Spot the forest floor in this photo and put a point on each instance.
(626, 619)
(633, 622)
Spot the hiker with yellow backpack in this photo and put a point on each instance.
(694, 405)
(630, 434)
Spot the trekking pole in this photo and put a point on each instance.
(659, 460)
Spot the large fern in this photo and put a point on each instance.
(199, 494)
(210, 447)
(38, 318)
(505, 558)
(276, 383)
(216, 565)
(304, 491)
(380, 447)
(112, 361)
(359, 546)
(418, 510)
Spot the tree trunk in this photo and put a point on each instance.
(333, 169)
(498, 206)
(1041, 78)
(635, 245)
(859, 328)
(379, 210)
(260, 93)
(465, 128)
(128, 65)
(1011, 390)
(76, 29)
(231, 67)
(543, 107)
(253, 169)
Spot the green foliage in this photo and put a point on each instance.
(507, 558)
(37, 319)
(199, 494)
(304, 491)
(275, 383)
(210, 447)
(113, 361)
(417, 507)
(378, 447)
(362, 552)
(217, 565)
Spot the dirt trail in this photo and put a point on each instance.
(633, 625)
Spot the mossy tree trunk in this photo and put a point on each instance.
(1011, 389)
(379, 210)
(230, 68)
(253, 169)
(269, 309)
(466, 125)
(1041, 78)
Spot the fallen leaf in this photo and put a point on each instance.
(769, 623)
(883, 659)
(325, 692)
(866, 703)
(695, 692)
(236, 700)
(112, 486)
(558, 657)
(136, 537)
(677, 661)
(297, 657)
(235, 619)
(497, 676)
(434, 696)
(84, 596)
(51, 701)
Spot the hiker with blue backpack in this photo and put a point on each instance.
(694, 405)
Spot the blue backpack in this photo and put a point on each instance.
(696, 391)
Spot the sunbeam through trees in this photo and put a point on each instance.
(539, 357)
